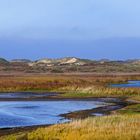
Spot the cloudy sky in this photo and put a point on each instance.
(93, 29)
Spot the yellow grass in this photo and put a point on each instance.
(98, 91)
(116, 127)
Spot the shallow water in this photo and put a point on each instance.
(129, 84)
(26, 95)
(29, 113)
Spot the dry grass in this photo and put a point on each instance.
(116, 127)
(40, 83)
(58, 82)
(97, 91)
(73, 85)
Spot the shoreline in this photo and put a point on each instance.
(117, 103)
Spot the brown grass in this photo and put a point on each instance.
(55, 82)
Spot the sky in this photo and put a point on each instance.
(93, 29)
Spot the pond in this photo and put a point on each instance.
(129, 84)
(30, 113)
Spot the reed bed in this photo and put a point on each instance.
(58, 82)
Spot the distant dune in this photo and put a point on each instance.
(70, 65)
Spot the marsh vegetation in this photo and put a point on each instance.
(122, 124)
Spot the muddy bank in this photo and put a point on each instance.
(100, 111)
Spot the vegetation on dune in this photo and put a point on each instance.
(2, 60)
(68, 65)
(116, 127)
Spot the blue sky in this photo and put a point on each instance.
(92, 29)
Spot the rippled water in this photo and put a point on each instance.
(129, 84)
(28, 113)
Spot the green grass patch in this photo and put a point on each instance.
(132, 109)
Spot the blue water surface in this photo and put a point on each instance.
(29, 113)
(129, 84)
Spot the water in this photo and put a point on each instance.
(129, 84)
(26, 95)
(29, 113)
